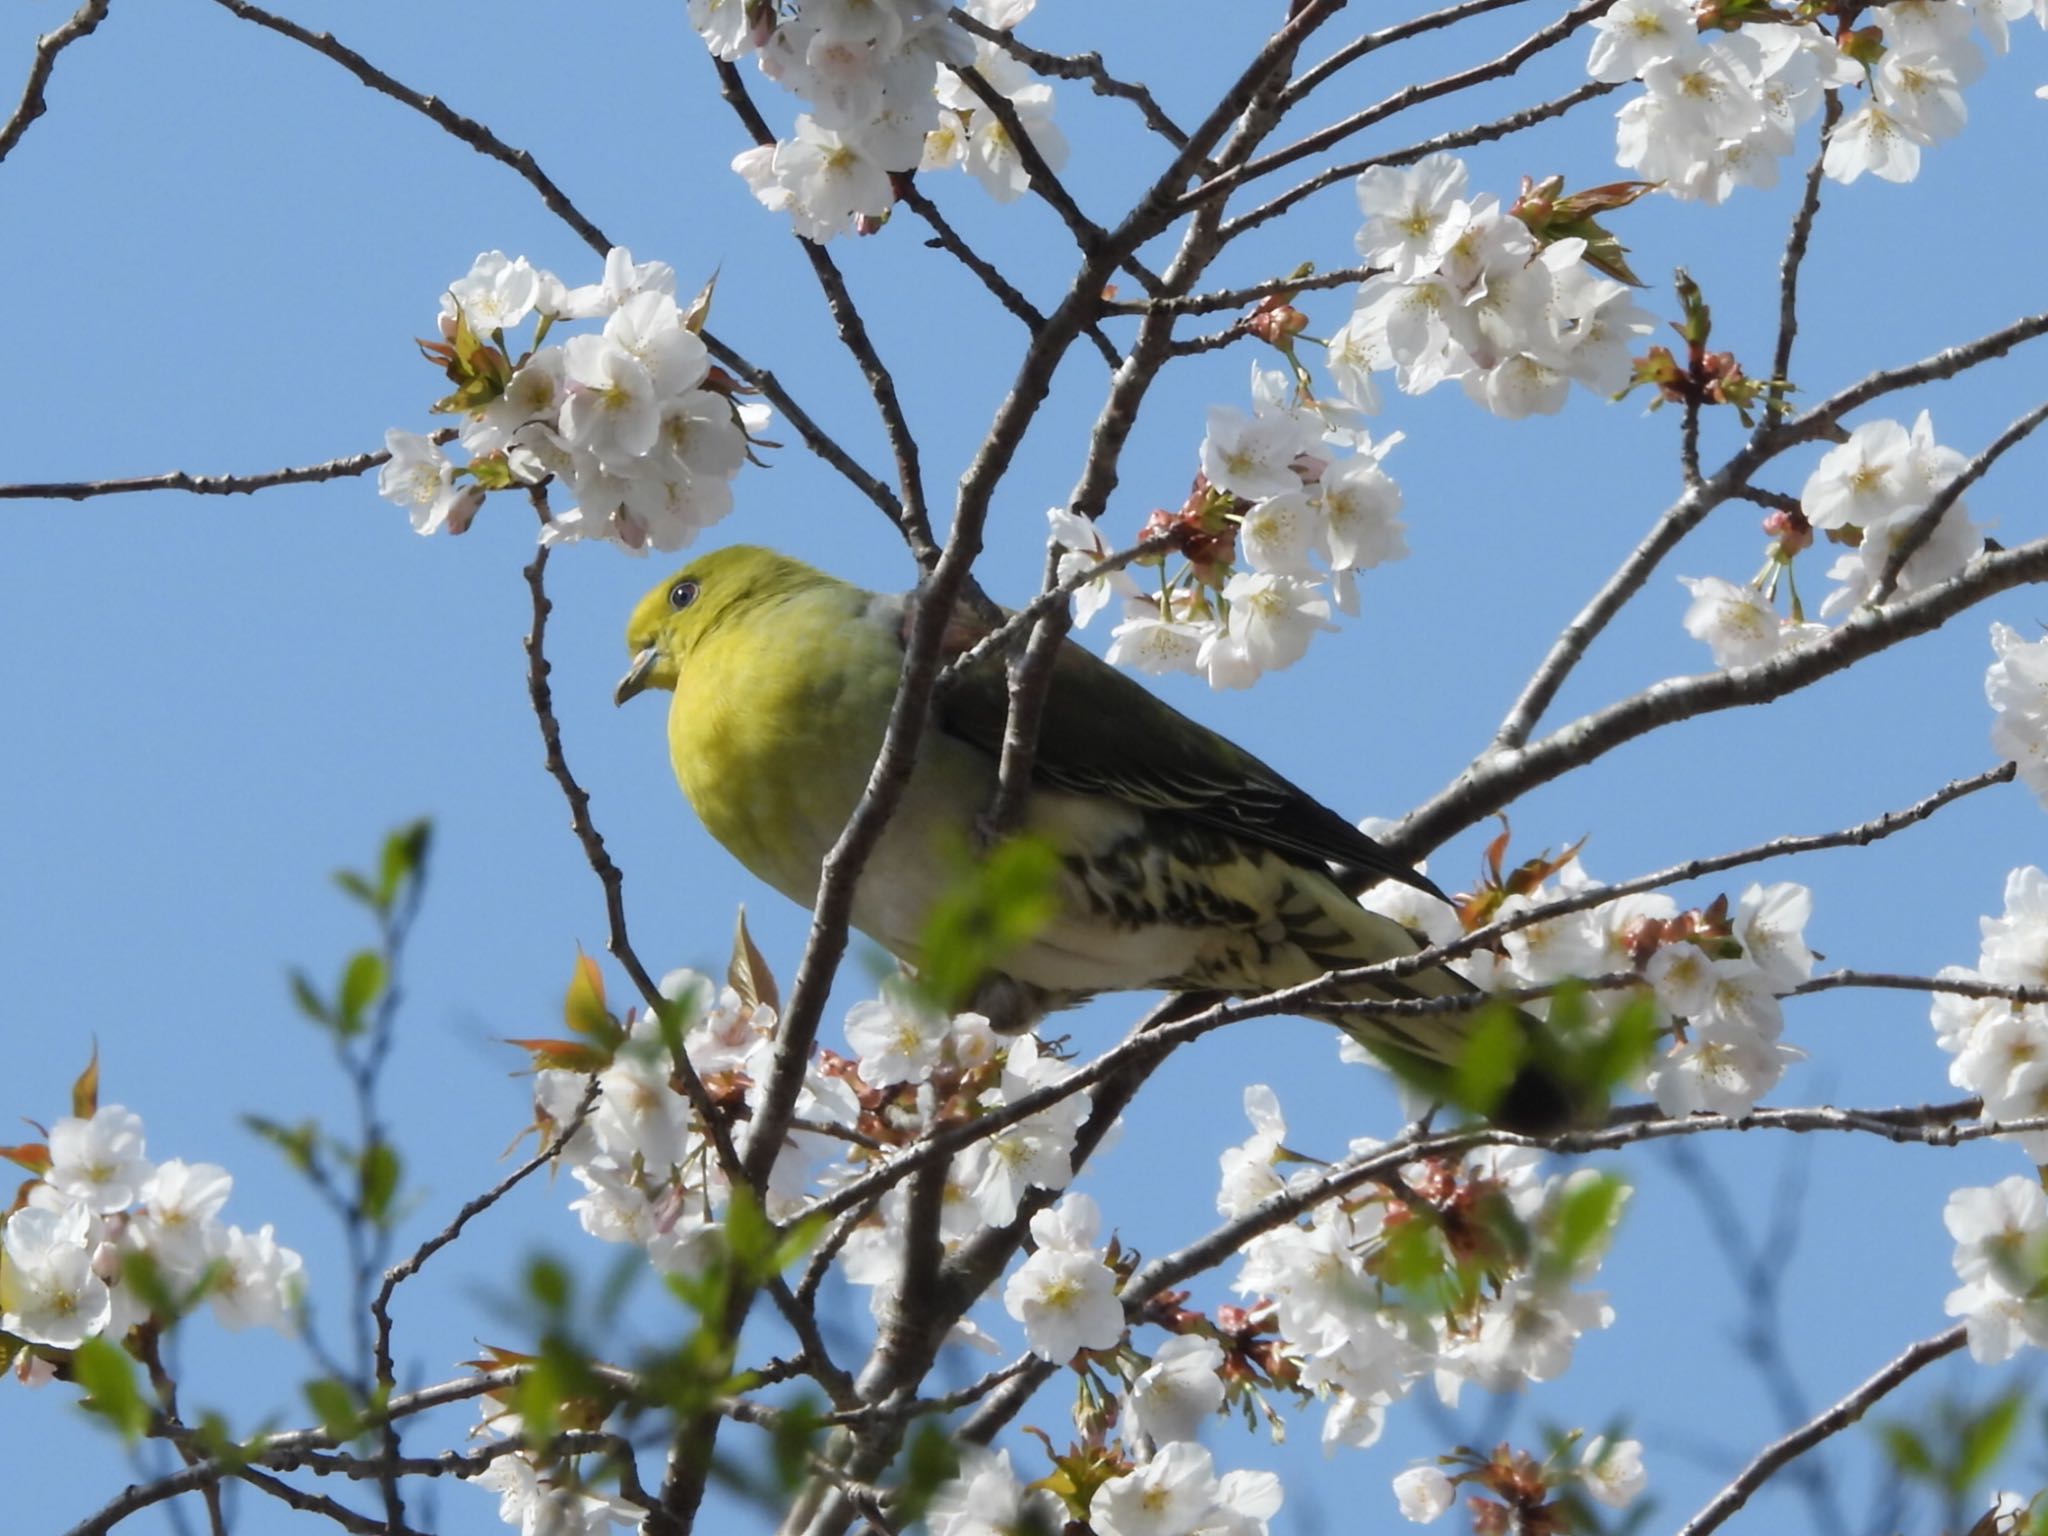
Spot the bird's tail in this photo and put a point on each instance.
(1495, 1060)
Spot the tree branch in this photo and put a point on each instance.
(1239, 298)
(1945, 364)
(48, 46)
(1459, 138)
(1815, 1430)
(911, 519)
(1921, 528)
(1498, 778)
(1796, 241)
(1079, 66)
(522, 163)
(208, 485)
(608, 873)
(1372, 42)
(1004, 292)
(1408, 96)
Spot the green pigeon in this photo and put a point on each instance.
(1185, 863)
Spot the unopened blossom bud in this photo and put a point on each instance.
(1538, 200)
(1276, 324)
(1791, 530)
(106, 1262)
(464, 509)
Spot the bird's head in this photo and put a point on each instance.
(673, 619)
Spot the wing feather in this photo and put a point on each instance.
(1105, 734)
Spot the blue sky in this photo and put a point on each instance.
(220, 247)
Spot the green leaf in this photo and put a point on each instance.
(107, 1374)
(362, 983)
(1983, 1441)
(547, 1282)
(931, 1461)
(404, 857)
(145, 1282)
(992, 906)
(310, 1002)
(750, 1237)
(793, 1436)
(357, 887)
(1489, 1059)
(377, 1175)
(1582, 1220)
(299, 1143)
(798, 1239)
(1908, 1451)
(335, 1407)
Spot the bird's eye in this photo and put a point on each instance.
(682, 594)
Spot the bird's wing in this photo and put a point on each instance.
(1105, 734)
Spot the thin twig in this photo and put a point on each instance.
(1572, 642)
(1460, 138)
(1373, 42)
(319, 1504)
(1937, 1125)
(1079, 66)
(522, 163)
(1408, 96)
(48, 46)
(1239, 298)
(1796, 243)
(1497, 779)
(1922, 527)
(1030, 687)
(1821, 1427)
(949, 240)
(1945, 364)
(471, 132)
(210, 485)
(1088, 235)
(399, 1273)
(1892, 981)
(608, 873)
(912, 519)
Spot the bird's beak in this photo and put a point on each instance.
(636, 675)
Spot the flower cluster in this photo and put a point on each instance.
(1287, 486)
(97, 1208)
(1868, 494)
(2017, 685)
(918, 1070)
(2001, 1257)
(1521, 1488)
(1470, 292)
(634, 421)
(646, 1166)
(1720, 107)
(1175, 1492)
(2001, 1048)
(650, 1176)
(1457, 1280)
(1713, 977)
(884, 97)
